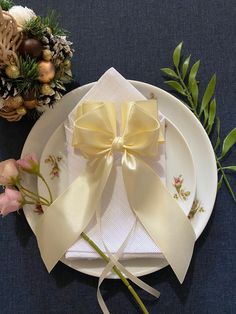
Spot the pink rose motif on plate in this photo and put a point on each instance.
(180, 192)
(54, 163)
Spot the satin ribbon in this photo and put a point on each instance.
(95, 135)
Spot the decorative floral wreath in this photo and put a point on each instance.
(35, 61)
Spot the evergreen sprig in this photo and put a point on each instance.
(36, 27)
(184, 82)
(6, 4)
(28, 78)
(51, 21)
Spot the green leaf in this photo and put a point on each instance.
(232, 168)
(169, 72)
(218, 134)
(176, 54)
(212, 114)
(175, 85)
(185, 66)
(205, 117)
(193, 71)
(220, 183)
(209, 92)
(194, 91)
(229, 141)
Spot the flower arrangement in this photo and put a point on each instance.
(16, 195)
(35, 61)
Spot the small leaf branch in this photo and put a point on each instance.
(184, 82)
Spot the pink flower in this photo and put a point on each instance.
(29, 163)
(10, 201)
(9, 173)
(178, 181)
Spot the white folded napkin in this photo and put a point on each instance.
(117, 216)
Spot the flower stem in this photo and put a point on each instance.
(29, 203)
(106, 259)
(188, 94)
(118, 272)
(33, 195)
(45, 182)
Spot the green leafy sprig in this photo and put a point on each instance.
(6, 4)
(36, 27)
(184, 82)
(51, 21)
(28, 78)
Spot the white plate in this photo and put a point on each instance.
(195, 136)
(178, 161)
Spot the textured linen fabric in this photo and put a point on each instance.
(137, 37)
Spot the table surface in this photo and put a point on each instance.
(136, 37)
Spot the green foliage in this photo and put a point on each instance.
(185, 66)
(29, 68)
(228, 143)
(6, 4)
(28, 79)
(208, 94)
(51, 21)
(34, 28)
(184, 82)
(176, 54)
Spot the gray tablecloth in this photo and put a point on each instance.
(137, 38)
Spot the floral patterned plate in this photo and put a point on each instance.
(196, 138)
(178, 160)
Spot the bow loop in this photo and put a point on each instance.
(95, 129)
(142, 133)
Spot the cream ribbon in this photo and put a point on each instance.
(96, 137)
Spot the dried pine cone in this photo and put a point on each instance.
(57, 90)
(59, 46)
(6, 87)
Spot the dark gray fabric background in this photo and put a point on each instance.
(137, 38)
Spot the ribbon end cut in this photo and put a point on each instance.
(180, 262)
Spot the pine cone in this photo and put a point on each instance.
(61, 50)
(59, 46)
(6, 87)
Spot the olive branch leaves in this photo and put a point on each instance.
(183, 80)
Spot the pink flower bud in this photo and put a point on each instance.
(10, 201)
(178, 181)
(29, 163)
(9, 173)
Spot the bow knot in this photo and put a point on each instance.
(117, 144)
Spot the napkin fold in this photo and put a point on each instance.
(117, 217)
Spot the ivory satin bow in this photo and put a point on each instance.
(95, 134)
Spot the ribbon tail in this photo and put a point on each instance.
(160, 214)
(64, 220)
